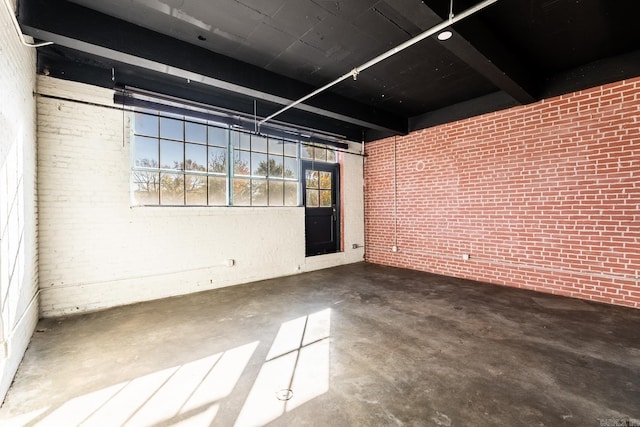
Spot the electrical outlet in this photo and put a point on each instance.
(355, 246)
(465, 257)
(394, 248)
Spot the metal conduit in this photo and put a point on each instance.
(14, 20)
(354, 73)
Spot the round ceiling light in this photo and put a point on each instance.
(445, 35)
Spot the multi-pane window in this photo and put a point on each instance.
(265, 170)
(319, 153)
(180, 161)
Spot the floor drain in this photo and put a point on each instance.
(284, 394)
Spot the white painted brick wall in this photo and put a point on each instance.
(18, 249)
(96, 251)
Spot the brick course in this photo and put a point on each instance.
(544, 196)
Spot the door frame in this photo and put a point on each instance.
(334, 168)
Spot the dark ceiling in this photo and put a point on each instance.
(232, 53)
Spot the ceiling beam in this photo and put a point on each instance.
(81, 29)
(474, 107)
(603, 71)
(473, 43)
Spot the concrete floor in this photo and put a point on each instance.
(359, 345)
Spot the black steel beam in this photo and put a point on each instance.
(76, 27)
(474, 107)
(596, 73)
(479, 48)
(68, 64)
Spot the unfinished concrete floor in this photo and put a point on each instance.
(359, 345)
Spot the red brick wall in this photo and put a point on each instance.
(544, 197)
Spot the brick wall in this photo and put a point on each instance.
(96, 251)
(543, 197)
(18, 249)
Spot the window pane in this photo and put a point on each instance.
(241, 192)
(240, 140)
(241, 163)
(196, 156)
(217, 160)
(276, 146)
(320, 154)
(171, 155)
(258, 143)
(276, 193)
(146, 152)
(325, 180)
(171, 189)
(146, 186)
(195, 132)
(291, 193)
(217, 191)
(259, 166)
(331, 155)
(313, 199)
(312, 179)
(275, 166)
(291, 167)
(325, 198)
(290, 149)
(218, 136)
(171, 129)
(146, 124)
(196, 189)
(306, 151)
(259, 194)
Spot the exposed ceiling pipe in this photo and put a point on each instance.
(14, 20)
(354, 73)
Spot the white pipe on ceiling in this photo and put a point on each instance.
(14, 20)
(354, 73)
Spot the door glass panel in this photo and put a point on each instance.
(312, 179)
(325, 198)
(313, 199)
(325, 180)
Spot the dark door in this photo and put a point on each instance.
(322, 208)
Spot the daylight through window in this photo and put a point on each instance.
(182, 161)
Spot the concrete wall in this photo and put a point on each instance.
(18, 249)
(544, 197)
(96, 251)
